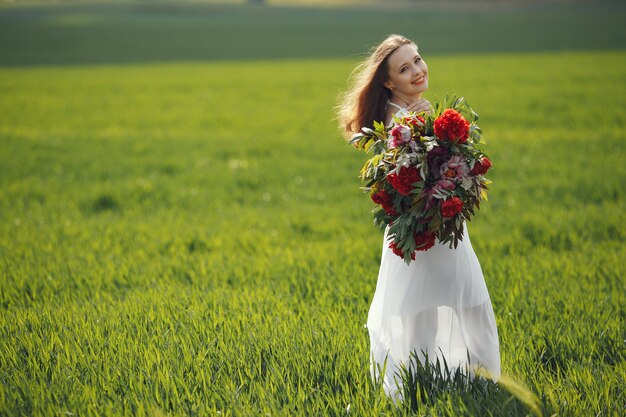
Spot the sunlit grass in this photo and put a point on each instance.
(189, 238)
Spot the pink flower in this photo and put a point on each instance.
(455, 168)
(430, 198)
(442, 185)
(446, 185)
(400, 134)
(436, 157)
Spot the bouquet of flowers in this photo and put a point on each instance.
(427, 175)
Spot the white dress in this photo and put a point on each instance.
(439, 304)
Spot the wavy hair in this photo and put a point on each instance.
(365, 101)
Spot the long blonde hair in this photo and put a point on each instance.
(365, 101)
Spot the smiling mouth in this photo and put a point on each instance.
(419, 81)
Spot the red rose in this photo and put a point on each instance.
(481, 166)
(451, 207)
(398, 251)
(424, 240)
(452, 126)
(383, 198)
(403, 181)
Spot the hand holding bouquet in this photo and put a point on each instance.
(427, 175)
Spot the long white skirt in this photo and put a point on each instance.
(438, 305)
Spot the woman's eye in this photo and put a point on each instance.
(417, 60)
(403, 69)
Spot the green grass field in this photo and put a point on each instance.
(187, 237)
(161, 31)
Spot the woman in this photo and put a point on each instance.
(438, 307)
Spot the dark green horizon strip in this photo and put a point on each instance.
(134, 33)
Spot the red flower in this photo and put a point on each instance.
(451, 207)
(481, 166)
(395, 249)
(383, 198)
(452, 126)
(403, 181)
(418, 121)
(424, 240)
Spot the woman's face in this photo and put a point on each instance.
(408, 73)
